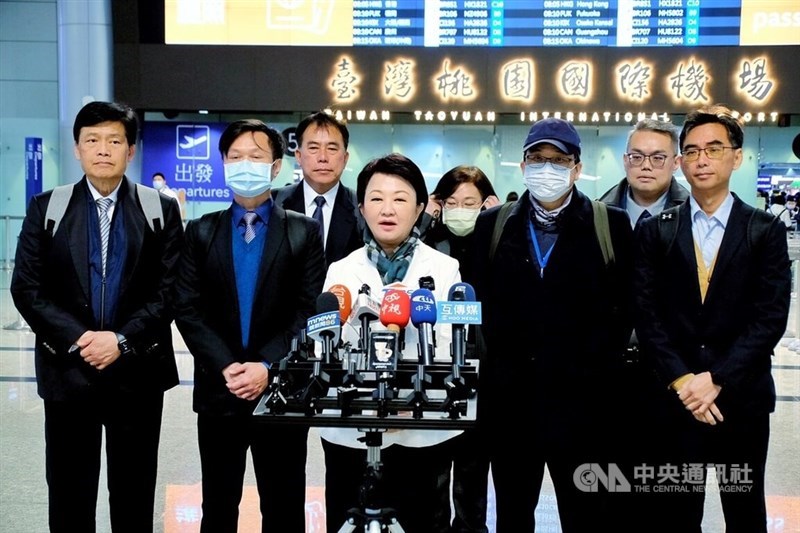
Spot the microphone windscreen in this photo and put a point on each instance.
(344, 298)
(423, 307)
(327, 302)
(395, 308)
(461, 292)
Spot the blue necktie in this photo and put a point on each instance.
(320, 201)
(249, 227)
(104, 204)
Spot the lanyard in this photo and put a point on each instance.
(542, 260)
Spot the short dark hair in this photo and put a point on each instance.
(715, 114)
(95, 113)
(656, 126)
(322, 120)
(252, 125)
(396, 165)
(454, 177)
(163, 177)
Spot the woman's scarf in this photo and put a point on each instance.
(392, 268)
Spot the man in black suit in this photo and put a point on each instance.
(712, 284)
(94, 284)
(249, 279)
(650, 159)
(322, 155)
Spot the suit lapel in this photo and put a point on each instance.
(276, 232)
(134, 229)
(294, 200)
(77, 235)
(220, 251)
(732, 240)
(343, 219)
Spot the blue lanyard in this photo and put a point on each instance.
(542, 260)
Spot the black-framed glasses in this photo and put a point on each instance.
(657, 160)
(712, 152)
(559, 160)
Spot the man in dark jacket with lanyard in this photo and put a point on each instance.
(650, 159)
(552, 350)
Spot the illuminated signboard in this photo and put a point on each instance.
(496, 23)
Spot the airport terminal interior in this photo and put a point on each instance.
(23, 491)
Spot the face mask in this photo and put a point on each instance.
(158, 185)
(460, 220)
(548, 182)
(248, 179)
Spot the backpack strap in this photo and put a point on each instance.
(603, 231)
(57, 206)
(499, 223)
(150, 199)
(757, 227)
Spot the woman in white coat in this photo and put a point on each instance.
(391, 193)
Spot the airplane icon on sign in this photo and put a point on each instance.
(191, 142)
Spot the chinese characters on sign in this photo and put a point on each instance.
(637, 80)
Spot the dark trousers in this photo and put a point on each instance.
(564, 441)
(411, 484)
(737, 449)
(470, 482)
(279, 461)
(73, 441)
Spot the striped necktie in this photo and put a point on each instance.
(103, 205)
(249, 226)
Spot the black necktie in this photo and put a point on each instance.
(644, 216)
(320, 201)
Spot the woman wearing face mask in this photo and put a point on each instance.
(460, 196)
(391, 195)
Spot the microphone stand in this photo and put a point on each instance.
(275, 397)
(418, 399)
(371, 516)
(456, 386)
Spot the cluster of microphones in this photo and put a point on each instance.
(379, 350)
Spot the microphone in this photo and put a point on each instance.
(365, 309)
(423, 316)
(460, 292)
(384, 345)
(345, 300)
(325, 326)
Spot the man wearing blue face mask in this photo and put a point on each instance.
(556, 323)
(248, 282)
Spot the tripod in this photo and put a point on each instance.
(370, 517)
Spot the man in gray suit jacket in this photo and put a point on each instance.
(712, 284)
(322, 155)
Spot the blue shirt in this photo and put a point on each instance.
(709, 230)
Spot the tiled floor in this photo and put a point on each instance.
(23, 497)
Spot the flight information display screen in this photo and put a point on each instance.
(493, 23)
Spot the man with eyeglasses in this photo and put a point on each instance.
(712, 283)
(556, 322)
(650, 160)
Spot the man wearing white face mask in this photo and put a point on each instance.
(248, 282)
(556, 322)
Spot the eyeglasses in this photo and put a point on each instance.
(657, 160)
(559, 160)
(712, 152)
(469, 203)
